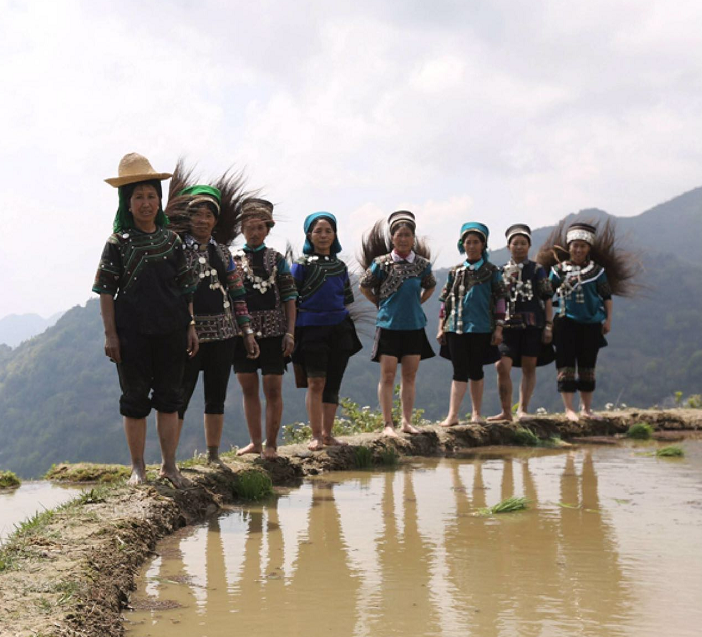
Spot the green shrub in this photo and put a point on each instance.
(8, 480)
(640, 431)
(253, 485)
(671, 451)
(363, 457)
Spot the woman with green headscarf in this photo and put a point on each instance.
(146, 288)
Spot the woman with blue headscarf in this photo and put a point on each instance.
(471, 319)
(324, 332)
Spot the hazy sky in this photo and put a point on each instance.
(500, 111)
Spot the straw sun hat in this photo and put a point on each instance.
(134, 168)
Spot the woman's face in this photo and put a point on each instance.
(202, 223)
(473, 245)
(322, 237)
(403, 240)
(519, 248)
(255, 232)
(144, 204)
(579, 251)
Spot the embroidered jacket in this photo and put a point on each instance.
(325, 290)
(581, 291)
(529, 288)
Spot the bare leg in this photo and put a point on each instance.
(135, 430)
(168, 435)
(313, 402)
(570, 412)
(410, 365)
(252, 411)
(586, 405)
(526, 388)
(476, 397)
(328, 415)
(504, 387)
(272, 389)
(388, 369)
(214, 424)
(458, 391)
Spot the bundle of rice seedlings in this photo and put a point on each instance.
(671, 451)
(510, 505)
(525, 437)
(363, 457)
(640, 431)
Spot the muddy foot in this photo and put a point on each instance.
(591, 415)
(447, 423)
(477, 419)
(330, 441)
(269, 453)
(410, 429)
(137, 477)
(502, 416)
(176, 478)
(523, 415)
(250, 448)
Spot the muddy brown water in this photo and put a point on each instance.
(610, 545)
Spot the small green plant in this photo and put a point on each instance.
(253, 485)
(525, 437)
(694, 401)
(671, 451)
(640, 431)
(38, 521)
(389, 457)
(8, 480)
(677, 396)
(509, 505)
(363, 457)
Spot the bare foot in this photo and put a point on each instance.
(476, 419)
(522, 415)
(269, 453)
(250, 448)
(330, 441)
(216, 462)
(389, 431)
(138, 477)
(176, 478)
(572, 415)
(591, 415)
(317, 444)
(410, 429)
(448, 423)
(501, 416)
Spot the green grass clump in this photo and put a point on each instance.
(253, 485)
(510, 505)
(363, 457)
(8, 480)
(525, 437)
(640, 431)
(671, 451)
(389, 457)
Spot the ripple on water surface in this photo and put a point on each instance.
(609, 545)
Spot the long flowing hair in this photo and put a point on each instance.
(377, 242)
(231, 187)
(622, 266)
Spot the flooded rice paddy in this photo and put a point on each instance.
(610, 545)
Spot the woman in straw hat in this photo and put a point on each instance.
(204, 216)
(398, 279)
(325, 334)
(584, 276)
(145, 288)
(471, 319)
(271, 296)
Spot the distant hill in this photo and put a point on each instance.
(15, 328)
(59, 394)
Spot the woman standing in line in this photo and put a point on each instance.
(325, 334)
(146, 288)
(204, 217)
(271, 296)
(528, 324)
(471, 319)
(398, 279)
(584, 276)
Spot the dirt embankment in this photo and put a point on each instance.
(70, 572)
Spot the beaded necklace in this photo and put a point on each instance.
(572, 281)
(257, 282)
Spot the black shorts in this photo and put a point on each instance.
(468, 353)
(399, 343)
(270, 361)
(521, 342)
(213, 359)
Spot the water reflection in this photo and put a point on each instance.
(404, 553)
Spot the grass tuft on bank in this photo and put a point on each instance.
(9, 480)
(640, 431)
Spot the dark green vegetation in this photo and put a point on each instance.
(671, 451)
(509, 505)
(58, 392)
(8, 480)
(640, 431)
(254, 485)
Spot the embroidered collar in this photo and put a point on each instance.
(247, 248)
(409, 258)
(194, 244)
(473, 266)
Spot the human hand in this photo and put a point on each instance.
(288, 344)
(112, 350)
(252, 348)
(193, 342)
(497, 336)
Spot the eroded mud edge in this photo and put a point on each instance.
(73, 574)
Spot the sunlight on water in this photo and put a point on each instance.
(608, 546)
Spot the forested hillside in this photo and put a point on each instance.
(58, 392)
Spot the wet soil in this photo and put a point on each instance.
(71, 571)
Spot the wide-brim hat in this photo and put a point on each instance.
(134, 168)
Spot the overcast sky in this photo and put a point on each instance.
(498, 111)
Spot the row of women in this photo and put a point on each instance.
(176, 300)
